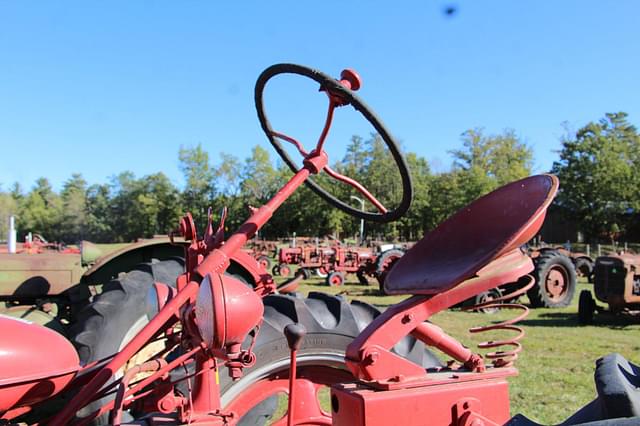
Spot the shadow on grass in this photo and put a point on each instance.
(359, 292)
(570, 319)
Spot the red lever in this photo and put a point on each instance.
(350, 79)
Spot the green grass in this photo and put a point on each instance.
(557, 363)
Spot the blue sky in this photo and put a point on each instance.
(103, 87)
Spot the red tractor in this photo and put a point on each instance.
(262, 251)
(310, 258)
(376, 364)
(333, 263)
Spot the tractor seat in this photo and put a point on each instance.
(484, 230)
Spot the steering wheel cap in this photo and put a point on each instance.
(350, 79)
(316, 161)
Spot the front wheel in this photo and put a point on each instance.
(335, 279)
(264, 261)
(586, 308)
(321, 272)
(260, 396)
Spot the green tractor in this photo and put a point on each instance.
(58, 287)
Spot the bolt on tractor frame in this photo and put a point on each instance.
(212, 319)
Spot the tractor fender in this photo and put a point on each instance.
(126, 258)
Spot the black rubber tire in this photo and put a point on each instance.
(284, 270)
(586, 308)
(306, 273)
(544, 264)
(384, 263)
(584, 267)
(486, 296)
(275, 271)
(362, 277)
(320, 272)
(265, 261)
(331, 323)
(105, 325)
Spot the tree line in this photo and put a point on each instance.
(598, 166)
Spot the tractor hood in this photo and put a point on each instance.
(626, 259)
(35, 363)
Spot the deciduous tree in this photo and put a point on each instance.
(599, 171)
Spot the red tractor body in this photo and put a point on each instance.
(26, 377)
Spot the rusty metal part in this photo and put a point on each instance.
(616, 282)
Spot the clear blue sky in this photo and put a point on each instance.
(103, 87)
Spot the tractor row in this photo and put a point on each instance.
(335, 261)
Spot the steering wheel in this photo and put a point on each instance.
(340, 93)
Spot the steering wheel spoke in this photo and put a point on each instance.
(340, 93)
(291, 140)
(358, 186)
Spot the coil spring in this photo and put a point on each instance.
(504, 358)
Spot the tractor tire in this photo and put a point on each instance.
(264, 261)
(284, 270)
(117, 314)
(487, 296)
(306, 273)
(586, 308)
(321, 272)
(335, 279)
(555, 281)
(275, 271)
(362, 277)
(331, 324)
(584, 267)
(384, 263)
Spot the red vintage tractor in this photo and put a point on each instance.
(334, 262)
(262, 251)
(213, 321)
(310, 259)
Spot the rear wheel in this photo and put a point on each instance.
(306, 273)
(105, 326)
(260, 396)
(555, 281)
(384, 263)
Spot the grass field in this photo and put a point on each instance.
(557, 363)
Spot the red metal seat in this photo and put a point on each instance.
(479, 233)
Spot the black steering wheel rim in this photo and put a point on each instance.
(333, 86)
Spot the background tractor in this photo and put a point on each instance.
(51, 286)
(616, 282)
